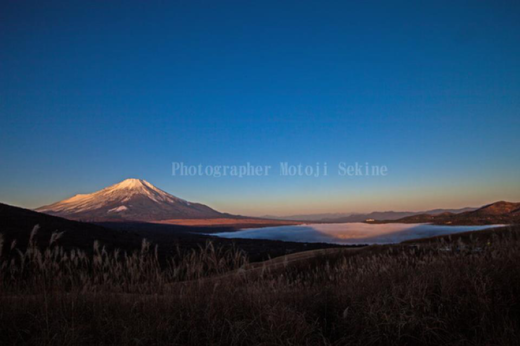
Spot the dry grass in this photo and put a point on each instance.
(439, 293)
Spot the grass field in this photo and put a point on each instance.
(460, 290)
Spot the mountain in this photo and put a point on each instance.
(496, 213)
(129, 200)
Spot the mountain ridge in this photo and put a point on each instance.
(500, 212)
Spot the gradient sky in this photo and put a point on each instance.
(93, 92)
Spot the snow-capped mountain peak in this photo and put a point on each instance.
(130, 187)
(130, 199)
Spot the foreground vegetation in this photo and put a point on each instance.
(445, 291)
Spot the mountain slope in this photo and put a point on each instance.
(129, 200)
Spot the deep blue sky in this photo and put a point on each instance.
(93, 92)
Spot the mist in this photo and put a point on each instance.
(350, 233)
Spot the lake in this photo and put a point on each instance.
(350, 233)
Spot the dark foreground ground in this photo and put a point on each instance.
(16, 224)
(458, 290)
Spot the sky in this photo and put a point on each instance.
(94, 92)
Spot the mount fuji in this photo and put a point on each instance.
(129, 200)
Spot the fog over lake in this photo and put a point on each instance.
(350, 233)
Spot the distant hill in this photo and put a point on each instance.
(129, 200)
(496, 213)
(376, 215)
(308, 217)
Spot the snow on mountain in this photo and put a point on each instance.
(129, 200)
(121, 208)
